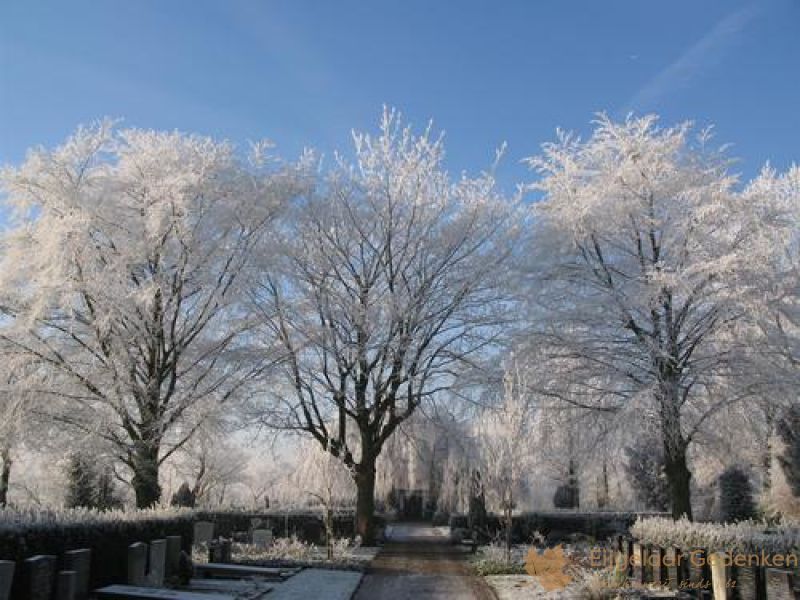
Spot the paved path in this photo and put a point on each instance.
(419, 563)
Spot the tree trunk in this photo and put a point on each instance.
(145, 475)
(509, 515)
(5, 476)
(365, 501)
(676, 467)
(679, 478)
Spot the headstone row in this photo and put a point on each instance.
(150, 564)
(43, 580)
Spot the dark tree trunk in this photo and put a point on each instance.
(365, 501)
(676, 467)
(145, 475)
(5, 476)
(679, 478)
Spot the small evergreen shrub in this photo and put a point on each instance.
(567, 496)
(736, 496)
(80, 482)
(645, 471)
(184, 497)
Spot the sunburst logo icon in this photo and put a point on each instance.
(549, 567)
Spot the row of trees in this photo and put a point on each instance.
(151, 278)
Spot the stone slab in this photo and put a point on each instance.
(131, 592)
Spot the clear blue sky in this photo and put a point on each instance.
(305, 72)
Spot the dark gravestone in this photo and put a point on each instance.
(227, 551)
(745, 582)
(673, 559)
(6, 577)
(79, 561)
(41, 576)
(220, 551)
(699, 571)
(639, 571)
(137, 564)
(158, 557)
(780, 585)
(658, 557)
(173, 555)
(66, 584)
(627, 550)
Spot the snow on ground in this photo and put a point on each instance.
(318, 584)
(415, 532)
(516, 587)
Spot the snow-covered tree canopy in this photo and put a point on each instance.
(642, 247)
(776, 293)
(390, 282)
(120, 281)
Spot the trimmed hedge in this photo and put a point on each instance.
(306, 525)
(559, 525)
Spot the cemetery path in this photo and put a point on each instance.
(419, 563)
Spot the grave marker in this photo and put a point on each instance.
(137, 564)
(41, 574)
(66, 585)
(158, 557)
(6, 578)
(79, 561)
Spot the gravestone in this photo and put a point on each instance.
(674, 561)
(227, 551)
(203, 532)
(41, 576)
(220, 551)
(6, 578)
(699, 572)
(658, 557)
(158, 557)
(173, 555)
(638, 563)
(66, 584)
(745, 582)
(137, 564)
(262, 537)
(79, 561)
(780, 585)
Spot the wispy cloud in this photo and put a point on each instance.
(704, 54)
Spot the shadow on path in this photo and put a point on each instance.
(418, 562)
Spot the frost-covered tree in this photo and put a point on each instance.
(119, 280)
(12, 415)
(325, 479)
(640, 245)
(789, 431)
(390, 283)
(775, 298)
(505, 445)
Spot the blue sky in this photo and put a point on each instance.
(304, 73)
